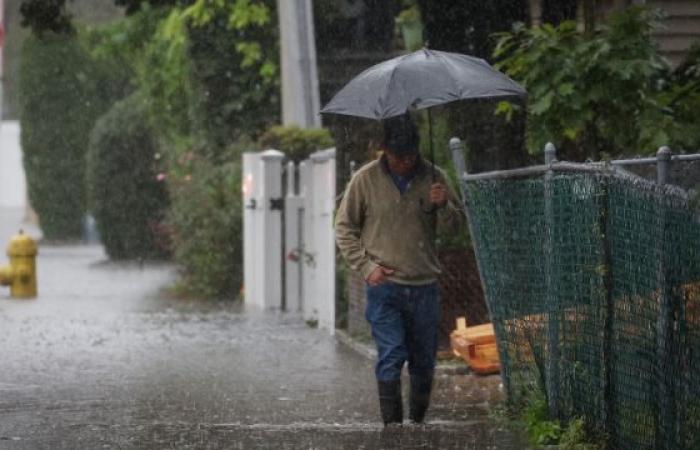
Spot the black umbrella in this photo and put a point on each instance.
(420, 80)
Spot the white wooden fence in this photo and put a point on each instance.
(288, 235)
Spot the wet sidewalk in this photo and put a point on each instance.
(104, 359)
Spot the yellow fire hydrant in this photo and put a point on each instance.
(20, 274)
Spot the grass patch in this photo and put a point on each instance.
(542, 432)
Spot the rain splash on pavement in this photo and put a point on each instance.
(104, 359)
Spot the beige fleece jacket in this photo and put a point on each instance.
(377, 225)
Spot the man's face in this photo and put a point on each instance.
(402, 164)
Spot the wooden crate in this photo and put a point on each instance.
(477, 346)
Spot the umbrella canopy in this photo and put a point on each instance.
(419, 80)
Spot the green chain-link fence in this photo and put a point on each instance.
(592, 278)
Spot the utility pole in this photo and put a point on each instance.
(300, 94)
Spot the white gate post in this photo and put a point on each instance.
(252, 181)
(294, 251)
(309, 258)
(270, 237)
(324, 236)
(13, 183)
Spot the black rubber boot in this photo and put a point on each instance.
(390, 403)
(420, 397)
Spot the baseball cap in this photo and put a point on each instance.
(401, 135)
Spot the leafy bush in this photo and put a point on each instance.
(575, 437)
(126, 198)
(206, 219)
(541, 430)
(60, 100)
(580, 86)
(297, 143)
(533, 417)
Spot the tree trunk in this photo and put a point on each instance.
(589, 15)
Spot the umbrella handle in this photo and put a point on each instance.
(433, 209)
(430, 209)
(432, 151)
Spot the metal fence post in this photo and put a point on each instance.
(608, 379)
(461, 169)
(460, 166)
(552, 353)
(550, 153)
(458, 157)
(663, 165)
(666, 420)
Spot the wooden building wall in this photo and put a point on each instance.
(681, 28)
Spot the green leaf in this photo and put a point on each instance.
(566, 89)
(543, 104)
(251, 51)
(504, 107)
(571, 133)
(245, 13)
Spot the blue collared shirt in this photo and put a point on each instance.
(402, 182)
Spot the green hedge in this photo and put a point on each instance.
(297, 143)
(125, 196)
(206, 219)
(62, 93)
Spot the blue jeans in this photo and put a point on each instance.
(404, 321)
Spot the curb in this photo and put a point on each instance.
(360, 348)
(369, 352)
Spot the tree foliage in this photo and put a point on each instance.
(42, 16)
(217, 77)
(134, 6)
(607, 92)
(467, 26)
(363, 25)
(558, 11)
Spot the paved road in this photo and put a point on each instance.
(104, 359)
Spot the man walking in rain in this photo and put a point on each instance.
(385, 229)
